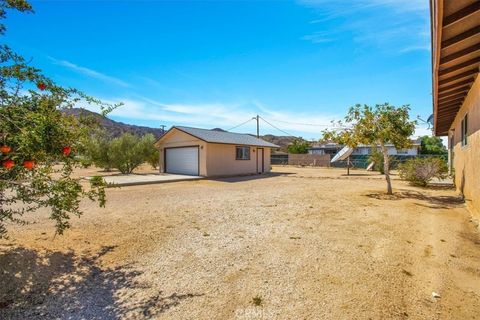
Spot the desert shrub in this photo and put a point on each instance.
(152, 154)
(98, 150)
(85, 162)
(129, 151)
(124, 153)
(419, 171)
(153, 158)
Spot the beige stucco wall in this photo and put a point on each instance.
(215, 159)
(176, 138)
(466, 159)
(221, 160)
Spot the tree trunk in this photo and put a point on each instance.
(348, 166)
(386, 168)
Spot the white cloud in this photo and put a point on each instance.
(90, 73)
(348, 6)
(229, 115)
(416, 48)
(223, 115)
(318, 37)
(422, 130)
(390, 25)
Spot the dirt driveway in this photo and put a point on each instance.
(299, 243)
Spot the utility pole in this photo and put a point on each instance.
(258, 125)
(163, 128)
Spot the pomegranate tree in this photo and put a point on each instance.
(37, 142)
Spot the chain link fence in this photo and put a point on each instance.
(362, 161)
(358, 161)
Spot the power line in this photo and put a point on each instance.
(241, 124)
(287, 133)
(281, 130)
(302, 123)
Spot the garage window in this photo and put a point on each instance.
(243, 153)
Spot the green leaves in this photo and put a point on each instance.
(380, 125)
(36, 132)
(129, 151)
(299, 146)
(432, 145)
(124, 153)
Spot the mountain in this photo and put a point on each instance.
(282, 141)
(116, 128)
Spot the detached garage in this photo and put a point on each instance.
(209, 153)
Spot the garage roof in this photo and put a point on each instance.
(216, 136)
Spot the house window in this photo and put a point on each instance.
(243, 153)
(464, 130)
(402, 151)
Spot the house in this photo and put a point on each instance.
(455, 29)
(332, 149)
(367, 150)
(210, 153)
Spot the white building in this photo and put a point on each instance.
(333, 148)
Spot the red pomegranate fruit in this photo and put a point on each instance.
(42, 86)
(8, 163)
(5, 149)
(66, 151)
(29, 164)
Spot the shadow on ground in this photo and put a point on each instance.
(252, 177)
(59, 285)
(434, 202)
(359, 175)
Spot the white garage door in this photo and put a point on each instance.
(182, 160)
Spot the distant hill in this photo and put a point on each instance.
(282, 141)
(116, 128)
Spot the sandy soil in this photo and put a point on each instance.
(299, 243)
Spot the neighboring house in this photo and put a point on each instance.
(456, 90)
(330, 148)
(333, 148)
(367, 150)
(210, 153)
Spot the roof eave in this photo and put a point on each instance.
(157, 144)
(436, 14)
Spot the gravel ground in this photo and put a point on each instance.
(299, 243)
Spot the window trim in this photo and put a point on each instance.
(242, 147)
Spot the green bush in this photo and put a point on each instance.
(98, 150)
(129, 151)
(153, 158)
(419, 171)
(124, 153)
(298, 146)
(85, 162)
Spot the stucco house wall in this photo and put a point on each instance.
(466, 159)
(177, 138)
(221, 160)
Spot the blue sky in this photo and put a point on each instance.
(299, 64)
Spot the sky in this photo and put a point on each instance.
(298, 64)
